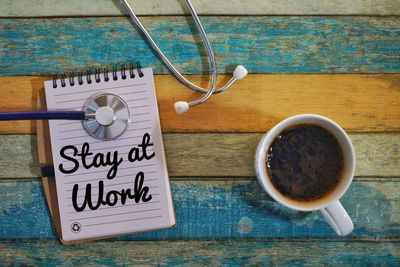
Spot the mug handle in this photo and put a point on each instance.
(337, 218)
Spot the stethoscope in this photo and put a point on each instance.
(182, 106)
(106, 116)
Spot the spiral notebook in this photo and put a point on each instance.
(108, 188)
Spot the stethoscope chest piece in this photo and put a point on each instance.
(110, 119)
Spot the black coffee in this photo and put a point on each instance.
(305, 162)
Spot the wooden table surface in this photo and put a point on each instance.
(340, 59)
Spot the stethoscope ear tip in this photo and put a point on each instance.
(181, 107)
(240, 72)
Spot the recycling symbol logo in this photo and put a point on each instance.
(76, 227)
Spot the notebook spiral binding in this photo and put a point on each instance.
(86, 77)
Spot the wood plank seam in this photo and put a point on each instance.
(363, 179)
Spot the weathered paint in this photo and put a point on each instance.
(358, 102)
(225, 155)
(50, 8)
(263, 44)
(231, 209)
(202, 253)
(222, 209)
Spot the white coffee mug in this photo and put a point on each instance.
(329, 205)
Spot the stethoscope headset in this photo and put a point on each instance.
(106, 116)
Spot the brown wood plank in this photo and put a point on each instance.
(358, 102)
(202, 253)
(225, 155)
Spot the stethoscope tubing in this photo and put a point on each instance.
(100, 118)
(170, 66)
(45, 115)
(182, 106)
(210, 54)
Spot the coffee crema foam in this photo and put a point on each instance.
(305, 162)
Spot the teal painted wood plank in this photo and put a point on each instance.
(202, 253)
(221, 209)
(215, 7)
(262, 44)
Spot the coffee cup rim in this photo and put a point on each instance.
(264, 179)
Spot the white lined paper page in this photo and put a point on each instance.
(108, 215)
